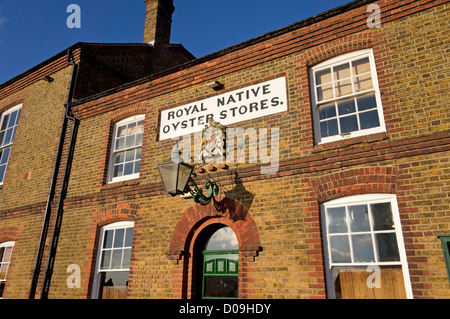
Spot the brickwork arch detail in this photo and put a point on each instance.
(9, 233)
(223, 210)
(356, 181)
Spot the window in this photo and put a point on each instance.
(345, 97)
(8, 125)
(220, 265)
(445, 242)
(365, 254)
(113, 261)
(126, 149)
(5, 258)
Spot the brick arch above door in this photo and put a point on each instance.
(223, 210)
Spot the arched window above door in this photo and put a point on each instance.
(223, 239)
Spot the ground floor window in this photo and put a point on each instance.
(221, 265)
(113, 261)
(5, 259)
(365, 255)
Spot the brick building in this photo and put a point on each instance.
(334, 183)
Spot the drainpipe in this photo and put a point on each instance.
(51, 194)
(60, 212)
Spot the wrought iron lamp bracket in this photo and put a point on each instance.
(212, 190)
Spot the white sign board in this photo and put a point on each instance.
(240, 105)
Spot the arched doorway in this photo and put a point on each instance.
(196, 229)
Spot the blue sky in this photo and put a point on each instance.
(33, 31)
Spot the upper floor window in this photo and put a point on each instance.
(365, 254)
(8, 125)
(5, 259)
(345, 97)
(125, 161)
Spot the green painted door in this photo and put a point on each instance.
(220, 274)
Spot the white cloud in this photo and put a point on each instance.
(3, 19)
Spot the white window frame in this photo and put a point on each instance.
(98, 271)
(2, 116)
(339, 60)
(110, 178)
(359, 200)
(6, 244)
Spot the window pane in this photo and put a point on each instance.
(348, 124)
(363, 248)
(366, 102)
(337, 220)
(121, 131)
(137, 167)
(341, 72)
(7, 139)
(106, 259)
(18, 115)
(7, 256)
(327, 111)
(340, 249)
(12, 119)
(119, 158)
(4, 155)
(363, 82)
(323, 77)
(118, 238)
(129, 142)
(116, 261)
(387, 247)
(369, 119)
(382, 216)
(139, 139)
(108, 238)
(325, 92)
(138, 153)
(129, 237)
(359, 218)
(5, 122)
(361, 66)
(347, 107)
(120, 143)
(329, 128)
(118, 170)
(2, 172)
(131, 129)
(140, 127)
(3, 271)
(126, 258)
(128, 169)
(129, 156)
(343, 87)
(225, 287)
